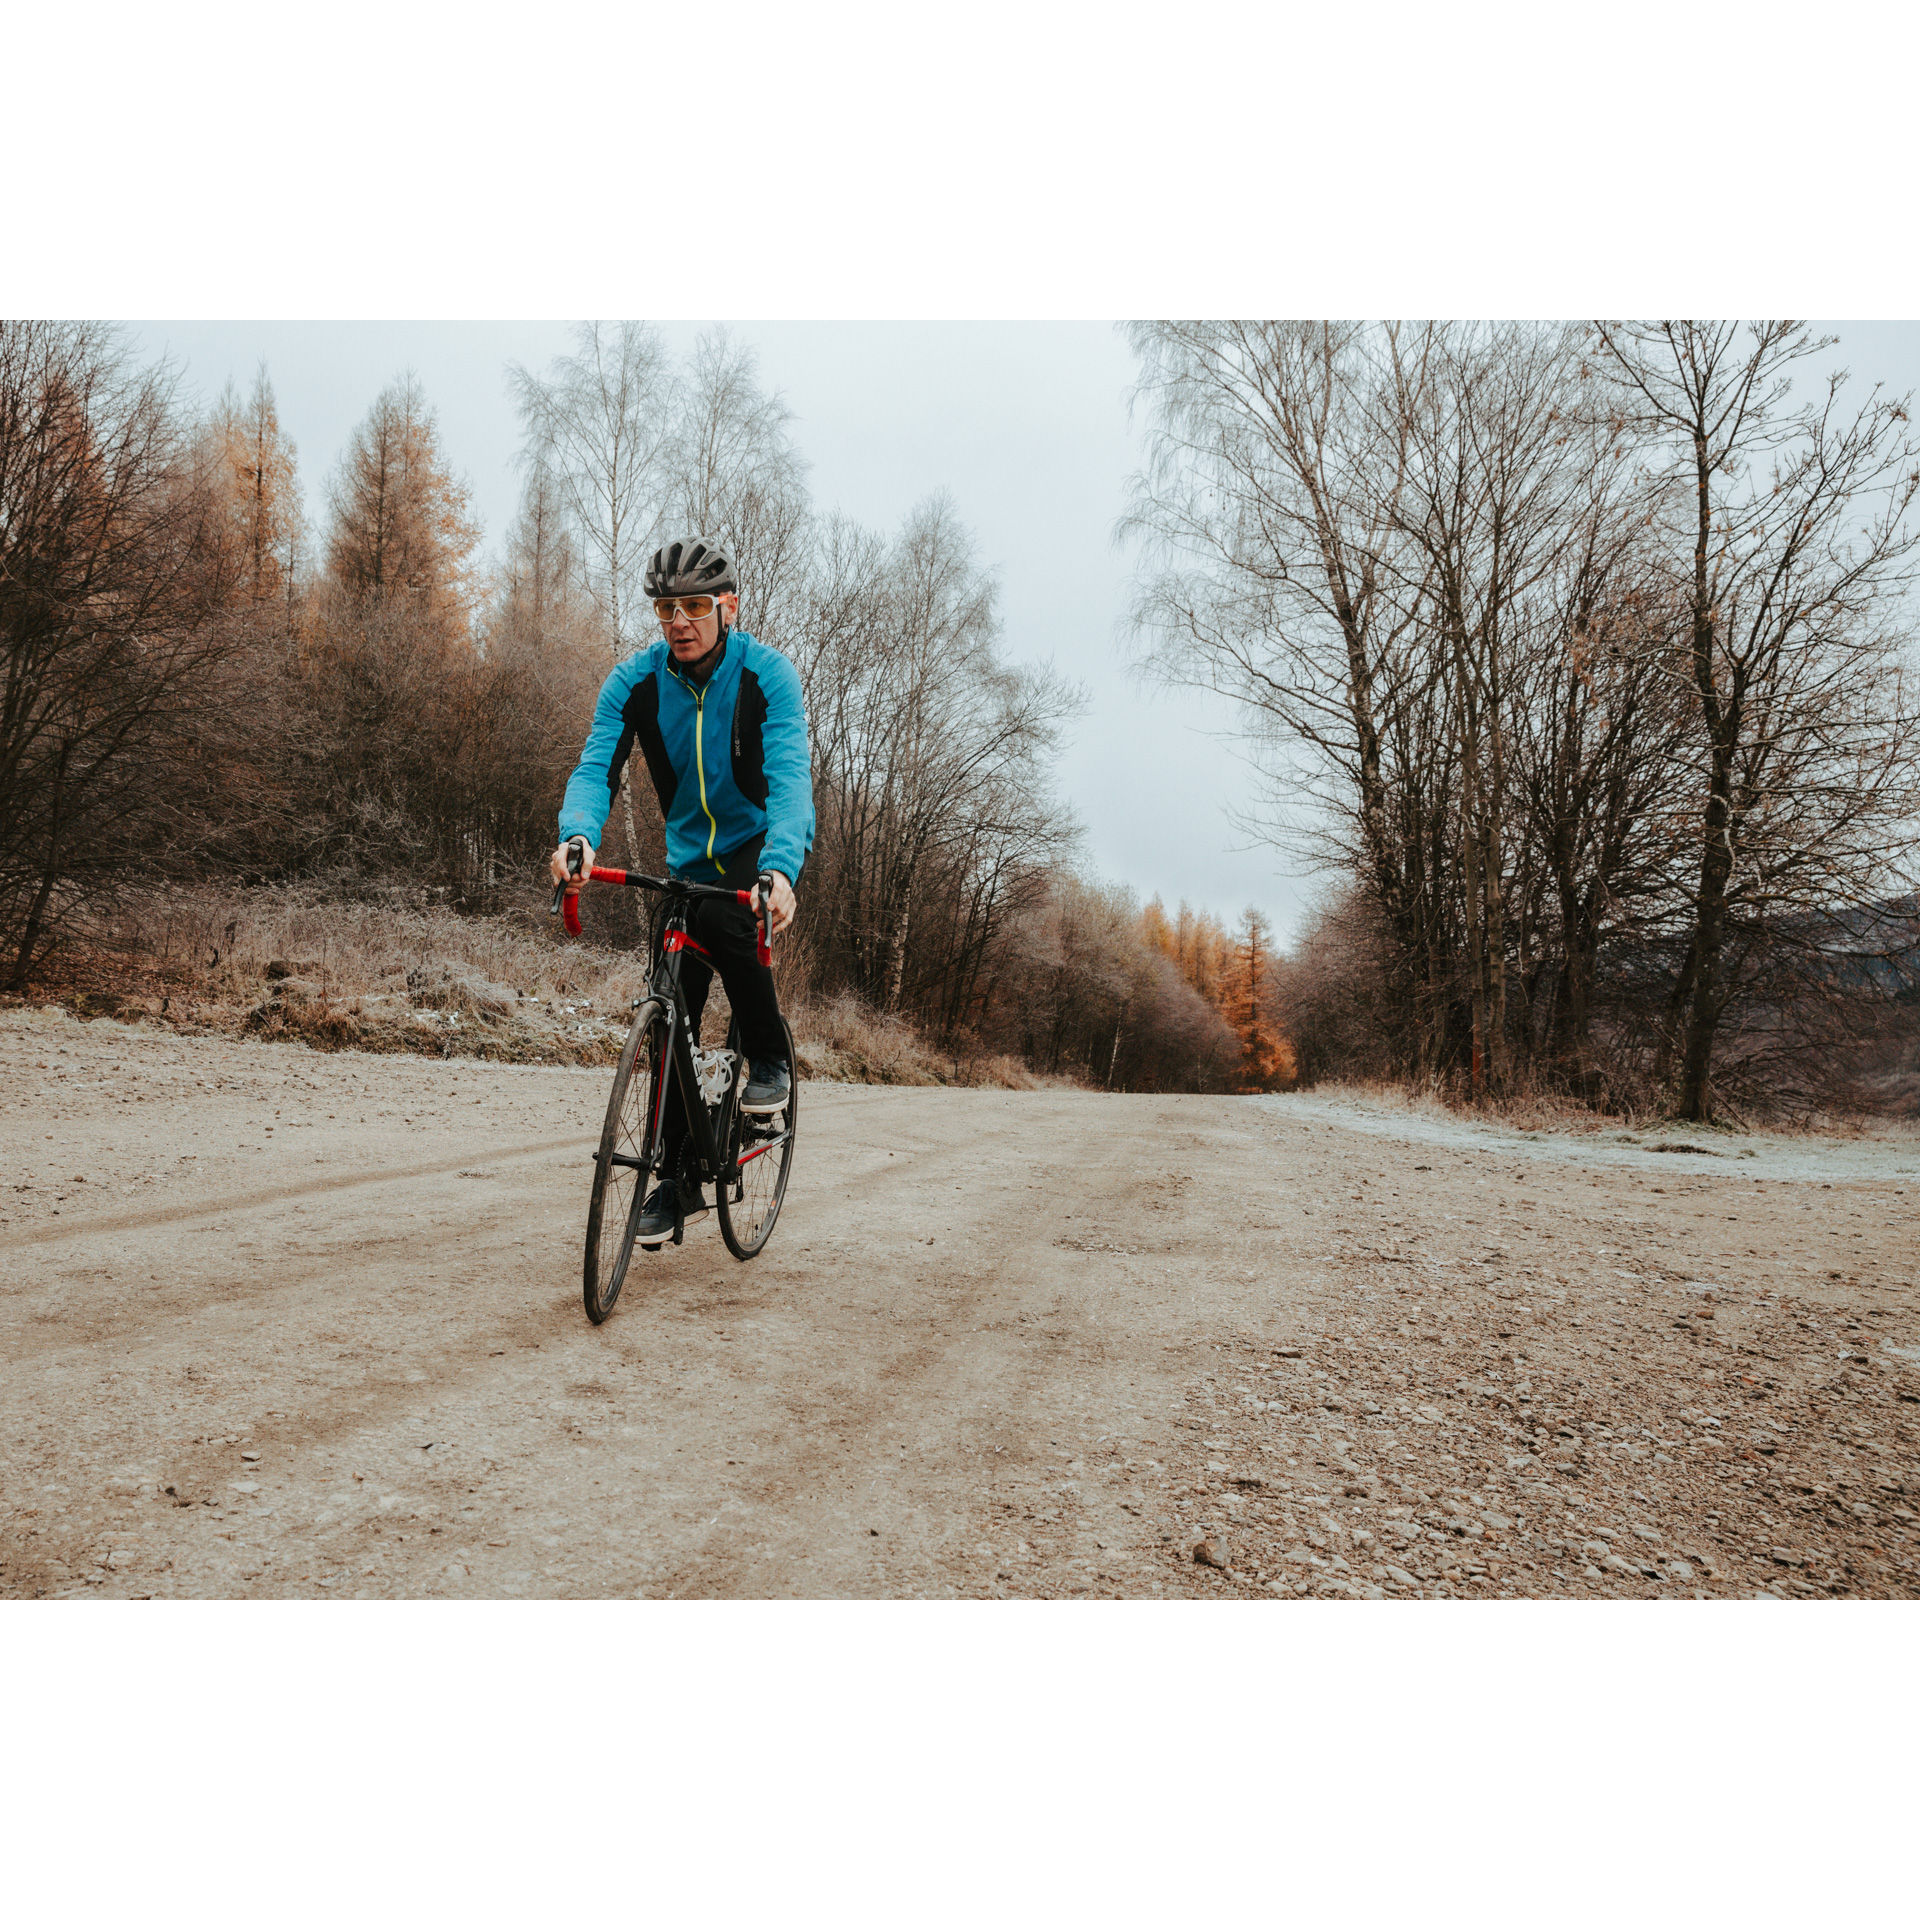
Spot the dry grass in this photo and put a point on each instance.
(1538, 1111)
(392, 976)
(1528, 1109)
(840, 1039)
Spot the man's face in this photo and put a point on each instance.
(692, 640)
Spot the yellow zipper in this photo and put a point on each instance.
(700, 764)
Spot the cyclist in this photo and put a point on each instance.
(719, 718)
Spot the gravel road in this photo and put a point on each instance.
(282, 1323)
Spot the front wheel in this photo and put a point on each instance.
(762, 1146)
(621, 1165)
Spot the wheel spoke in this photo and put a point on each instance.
(761, 1156)
(620, 1179)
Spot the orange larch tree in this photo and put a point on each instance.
(256, 474)
(1266, 1059)
(403, 530)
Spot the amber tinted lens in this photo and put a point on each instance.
(696, 606)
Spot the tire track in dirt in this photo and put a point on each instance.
(1027, 1344)
(825, 1441)
(286, 1191)
(376, 1383)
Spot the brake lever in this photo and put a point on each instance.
(763, 917)
(576, 850)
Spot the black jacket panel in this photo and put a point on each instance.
(643, 722)
(749, 745)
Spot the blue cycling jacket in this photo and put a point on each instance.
(729, 759)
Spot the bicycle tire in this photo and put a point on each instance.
(749, 1206)
(613, 1211)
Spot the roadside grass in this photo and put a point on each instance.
(840, 1039)
(391, 975)
(1536, 1110)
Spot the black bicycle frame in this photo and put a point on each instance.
(678, 1066)
(666, 990)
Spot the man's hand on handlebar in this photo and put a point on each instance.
(557, 866)
(571, 865)
(780, 903)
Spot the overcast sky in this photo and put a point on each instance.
(1024, 423)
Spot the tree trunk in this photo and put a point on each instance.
(1494, 893)
(1494, 940)
(49, 875)
(1476, 964)
(1472, 855)
(30, 934)
(1716, 856)
(1709, 938)
(901, 921)
(1573, 1007)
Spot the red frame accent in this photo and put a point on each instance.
(675, 940)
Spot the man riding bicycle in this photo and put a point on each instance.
(719, 718)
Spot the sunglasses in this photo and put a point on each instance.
(696, 606)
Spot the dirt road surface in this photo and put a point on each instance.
(282, 1323)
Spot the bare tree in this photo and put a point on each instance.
(1490, 469)
(1792, 548)
(933, 761)
(1597, 733)
(1264, 520)
(1270, 528)
(738, 477)
(542, 592)
(1442, 579)
(602, 425)
(116, 586)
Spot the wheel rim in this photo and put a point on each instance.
(622, 1189)
(765, 1147)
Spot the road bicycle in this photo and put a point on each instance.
(745, 1157)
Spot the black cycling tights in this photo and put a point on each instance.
(727, 930)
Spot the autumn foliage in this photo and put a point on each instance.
(1236, 974)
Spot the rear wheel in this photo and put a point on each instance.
(620, 1171)
(763, 1145)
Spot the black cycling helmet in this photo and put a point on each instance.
(692, 565)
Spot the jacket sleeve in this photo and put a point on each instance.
(788, 758)
(594, 782)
